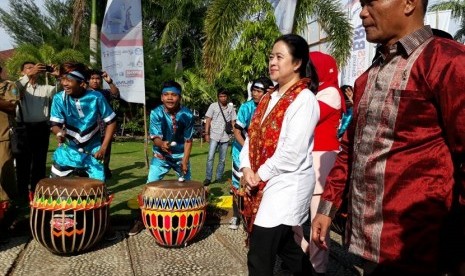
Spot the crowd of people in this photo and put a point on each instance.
(390, 151)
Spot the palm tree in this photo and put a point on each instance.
(458, 11)
(181, 24)
(225, 18)
(45, 54)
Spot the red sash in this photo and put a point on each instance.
(263, 139)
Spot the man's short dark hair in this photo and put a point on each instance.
(95, 72)
(25, 63)
(222, 91)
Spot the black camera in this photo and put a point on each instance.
(49, 69)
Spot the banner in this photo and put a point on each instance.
(122, 48)
(284, 11)
(362, 51)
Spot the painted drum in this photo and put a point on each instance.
(69, 215)
(173, 211)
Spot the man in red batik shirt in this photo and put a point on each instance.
(403, 156)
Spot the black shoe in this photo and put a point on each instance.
(207, 182)
(136, 228)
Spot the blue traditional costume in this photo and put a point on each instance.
(244, 116)
(177, 128)
(80, 117)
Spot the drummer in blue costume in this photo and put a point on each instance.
(244, 116)
(74, 120)
(171, 130)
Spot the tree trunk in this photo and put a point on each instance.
(93, 35)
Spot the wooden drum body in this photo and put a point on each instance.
(173, 211)
(69, 215)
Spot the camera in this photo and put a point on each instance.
(49, 69)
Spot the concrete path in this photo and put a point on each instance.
(215, 251)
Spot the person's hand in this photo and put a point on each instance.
(207, 138)
(251, 179)
(56, 70)
(38, 68)
(61, 136)
(165, 146)
(350, 94)
(100, 154)
(106, 77)
(320, 227)
(184, 166)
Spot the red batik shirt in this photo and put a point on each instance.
(400, 154)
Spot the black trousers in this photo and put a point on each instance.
(31, 165)
(266, 243)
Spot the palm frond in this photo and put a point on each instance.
(457, 7)
(174, 30)
(460, 34)
(222, 25)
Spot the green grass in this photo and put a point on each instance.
(130, 172)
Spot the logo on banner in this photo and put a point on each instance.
(134, 74)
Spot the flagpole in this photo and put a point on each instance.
(146, 138)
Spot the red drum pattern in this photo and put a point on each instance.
(173, 212)
(69, 215)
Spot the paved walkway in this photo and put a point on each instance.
(215, 251)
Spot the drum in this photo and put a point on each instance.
(173, 211)
(69, 215)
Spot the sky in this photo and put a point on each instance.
(6, 41)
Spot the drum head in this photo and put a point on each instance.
(74, 185)
(173, 189)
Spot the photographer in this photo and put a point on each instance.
(95, 83)
(34, 105)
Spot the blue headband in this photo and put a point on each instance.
(171, 89)
(75, 75)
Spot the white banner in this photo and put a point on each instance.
(122, 48)
(284, 11)
(362, 51)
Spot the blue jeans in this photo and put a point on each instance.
(222, 149)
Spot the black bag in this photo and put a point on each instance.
(228, 128)
(18, 135)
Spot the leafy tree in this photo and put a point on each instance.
(45, 54)
(458, 11)
(26, 25)
(179, 25)
(225, 18)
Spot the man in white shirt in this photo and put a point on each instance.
(35, 108)
(215, 133)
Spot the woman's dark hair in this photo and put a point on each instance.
(265, 81)
(172, 83)
(298, 48)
